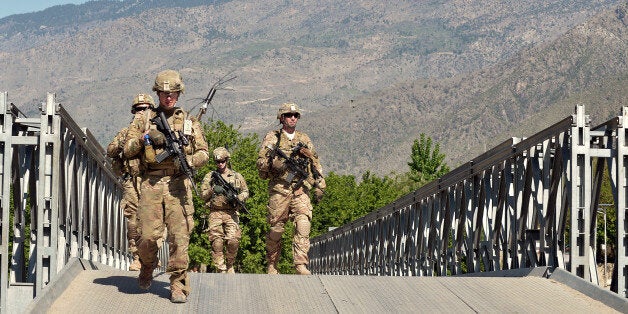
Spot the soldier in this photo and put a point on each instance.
(129, 171)
(166, 191)
(224, 228)
(287, 157)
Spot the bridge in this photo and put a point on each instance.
(513, 229)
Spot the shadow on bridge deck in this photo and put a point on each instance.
(100, 289)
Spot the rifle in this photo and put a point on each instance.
(230, 192)
(174, 147)
(296, 167)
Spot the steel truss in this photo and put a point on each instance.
(56, 173)
(525, 203)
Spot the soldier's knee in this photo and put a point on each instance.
(232, 244)
(275, 234)
(217, 245)
(303, 225)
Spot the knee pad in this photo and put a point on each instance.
(302, 225)
(217, 245)
(275, 235)
(232, 245)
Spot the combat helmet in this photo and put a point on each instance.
(169, 81)
(288, 108)
(221, 153)
(142, 99)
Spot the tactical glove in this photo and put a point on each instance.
(278, 164)
(218, 189)
(157, 138)
(318, 195)
(241, 198)
(306, 152)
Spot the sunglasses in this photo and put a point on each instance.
(136, 109)
(169, 94)
(221, 161)
(290, 115)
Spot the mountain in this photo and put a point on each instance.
(470, 113)
(370, 76)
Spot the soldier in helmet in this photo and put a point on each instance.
(129, 170)
(289, 189)
(166, 191)
(224, 229)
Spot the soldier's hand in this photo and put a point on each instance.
(318, 195)
(278, 164)
(306, 152)
(218, 189)
(157, 138)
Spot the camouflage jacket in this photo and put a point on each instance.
(279, 175)
(122, 166)
(220, 201)
(196, 151)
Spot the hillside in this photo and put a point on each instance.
(470, 113)
(369, 75)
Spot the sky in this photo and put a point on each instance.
(10, 7)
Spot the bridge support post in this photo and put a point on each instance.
(5, 182)
(580, 254)
(620, 276)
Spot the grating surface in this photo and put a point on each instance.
(113, 291)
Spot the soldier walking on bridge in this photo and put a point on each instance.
(170, 144)
(129, 170)
(224, 196)
(287, 157)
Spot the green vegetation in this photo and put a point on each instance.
(345, 199)
(427, 163)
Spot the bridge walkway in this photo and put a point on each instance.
(101, 289)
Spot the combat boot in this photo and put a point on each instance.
(302, 270)
(179, 286)
(230, 270)
(272, 269)
(221, 269)
(135, 265)
(177, 296)
(145, 278)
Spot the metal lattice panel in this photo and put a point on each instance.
(506, 209)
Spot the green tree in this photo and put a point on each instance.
(346, 200)
(427, 164)
(338, 206)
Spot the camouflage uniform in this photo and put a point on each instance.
(129, 170)
(287, 201)
(166, 200)
(224, 219)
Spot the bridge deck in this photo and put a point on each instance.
(115, 291)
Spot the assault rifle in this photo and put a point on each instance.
(297, 167)
(174, 147)
(230, 192)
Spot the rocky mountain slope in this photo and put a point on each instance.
(369, 75)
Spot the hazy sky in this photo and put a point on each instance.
(10, 7)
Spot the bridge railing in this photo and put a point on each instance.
(525, 203)
(59, 200)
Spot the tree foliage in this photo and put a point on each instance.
(426, 162)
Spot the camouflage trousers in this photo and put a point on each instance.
(224, 229)
(128, 205)
(281, 208)
(166, 202)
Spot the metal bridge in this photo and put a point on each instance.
(511, 230)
